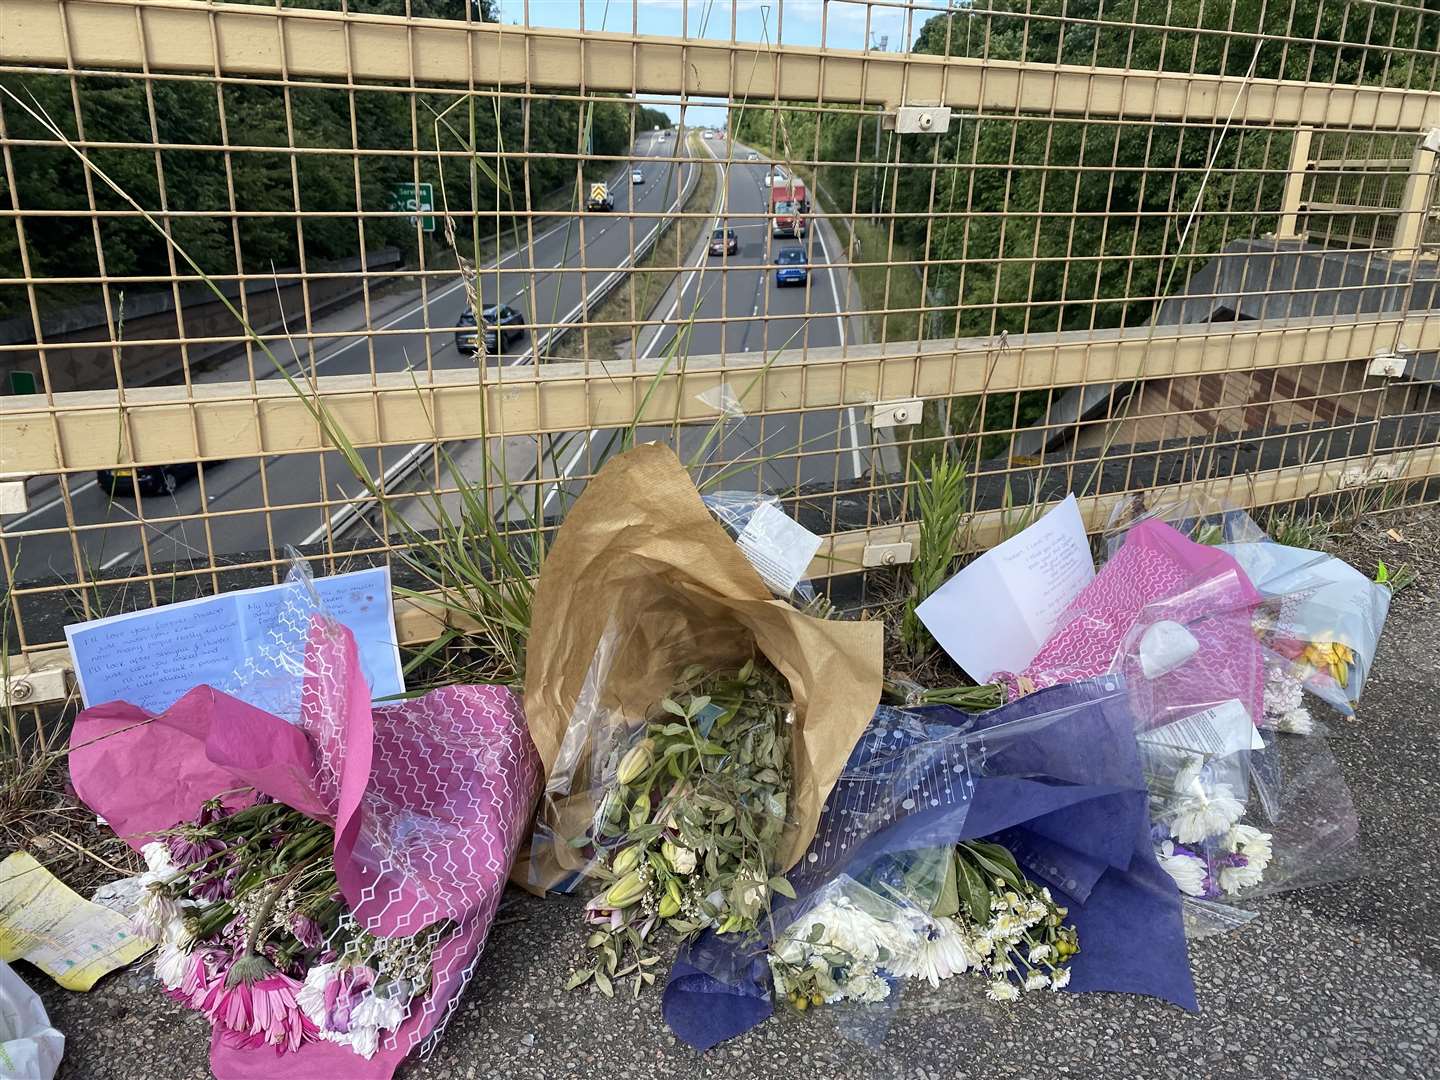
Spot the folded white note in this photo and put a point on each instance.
(996, 613)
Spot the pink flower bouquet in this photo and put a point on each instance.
(320, 886)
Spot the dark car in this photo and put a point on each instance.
(791, 267)
(724, 242)
(502, 325)
(146, 479)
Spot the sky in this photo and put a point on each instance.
(791, 22)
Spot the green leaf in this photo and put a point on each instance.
(580, 978)
(595, 939)
(697, 704)
(782, 886)
(816, 933)
(948, 902)
(603, 982)
(973, 892)
(671, 707)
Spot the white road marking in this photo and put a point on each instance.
(51, 504)
(855, 460)
(123, 555)
(589, 439)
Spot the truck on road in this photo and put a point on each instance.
(600, 197)
(788, 207)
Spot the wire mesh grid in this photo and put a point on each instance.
(312, 274)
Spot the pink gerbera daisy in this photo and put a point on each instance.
(258, 1011)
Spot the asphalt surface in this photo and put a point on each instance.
(1331, 982)
(732, 305)
(546, 281)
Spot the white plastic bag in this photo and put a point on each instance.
(30, 1049)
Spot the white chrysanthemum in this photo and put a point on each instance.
(1255, 845)
(858, 936)
(1296, 722)
(1038, 953)
(947, 952)
(155, 912)
(171, 963)
(158, 861)
(1002, 990)
(866, 987)
(311, 996)
(1002, 927)
(1251, 842)
(1060, 979)
(383, 1010)
(1283, 691)
(1187, 778)
(1197, 817)
(1187, 871)
(1036, 980)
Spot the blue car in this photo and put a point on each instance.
(790, 268)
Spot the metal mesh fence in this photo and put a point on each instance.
(312, 274)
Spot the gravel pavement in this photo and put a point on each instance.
(1336, 981)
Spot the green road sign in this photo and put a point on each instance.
(405, 197)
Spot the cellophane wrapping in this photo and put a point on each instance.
(429, 799)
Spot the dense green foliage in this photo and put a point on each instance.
(1057, 224)
(265, 183)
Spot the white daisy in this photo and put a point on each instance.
(1002, 990)
(1036, 980)
(1060, 979)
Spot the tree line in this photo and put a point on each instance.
(1035, 223)
(246, 208)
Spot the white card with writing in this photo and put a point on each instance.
(996, 613)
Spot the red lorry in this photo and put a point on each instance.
(788, 207)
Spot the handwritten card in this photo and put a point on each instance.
(996, 613)
(152, 658)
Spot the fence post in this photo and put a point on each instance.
(1415, 200)
(1294, 186)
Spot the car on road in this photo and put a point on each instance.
(724, 242)
(146, 479)
(502, 324)
(636, 176)
(753, 157)
(791, 267)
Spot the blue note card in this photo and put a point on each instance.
(152, 658)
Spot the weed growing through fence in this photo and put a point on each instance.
(940, 499)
